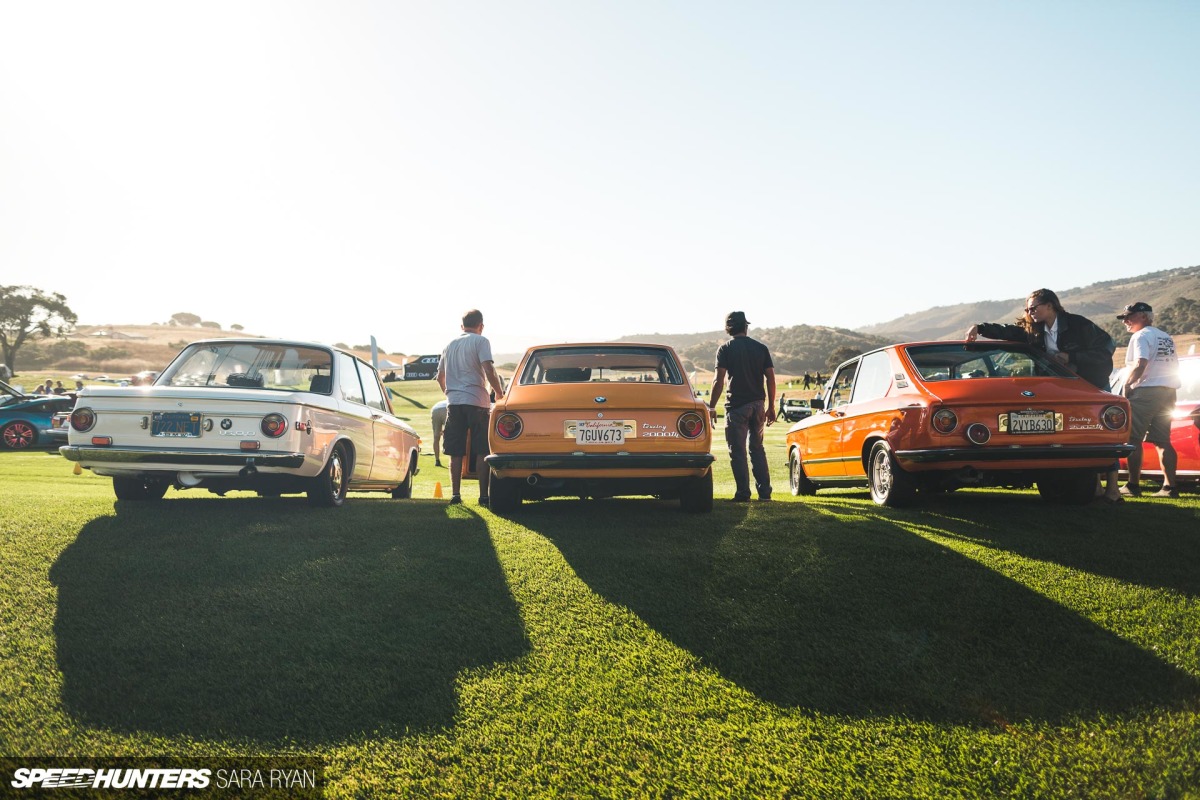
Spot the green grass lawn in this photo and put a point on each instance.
(985, 644)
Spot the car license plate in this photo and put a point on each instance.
(1020, 422)
(599, 431)
(175, 424)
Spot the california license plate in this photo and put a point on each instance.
(599, 431)
(175, 424)
(1030, 422)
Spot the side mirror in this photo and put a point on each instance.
(817, 404)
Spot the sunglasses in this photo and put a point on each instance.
(1034, 307)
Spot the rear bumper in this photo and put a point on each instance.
(633, 462)
(992, 455)
(180, 458)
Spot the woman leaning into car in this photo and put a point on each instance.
(1073, 340)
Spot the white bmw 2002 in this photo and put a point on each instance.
(275, 417)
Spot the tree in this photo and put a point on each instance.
(236, 327)
(185, 319)
(25, 312)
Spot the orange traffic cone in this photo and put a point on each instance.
(437, 490)
(78, 469)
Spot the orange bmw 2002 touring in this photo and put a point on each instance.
(936, 416)
(600, 420)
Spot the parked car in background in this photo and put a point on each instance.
(25, 419)
(1185, 428)
(600, 420)
(60, 425)
(271, 416)
(936, 416)
(796, 410)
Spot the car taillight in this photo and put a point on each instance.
(1114, 417)
(509, 426)
(944, 420)
(690, 425)
(978, 433)
(83, 419)
(274, 425)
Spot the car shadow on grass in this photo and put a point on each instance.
(1153, 543)
(827, 605)
(270, 621)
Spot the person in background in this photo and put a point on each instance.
(750, 407)
(464, 372)
(1151, 384)
(437, 415)
(1070, 339)
(59, 388)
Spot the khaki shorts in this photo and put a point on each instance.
(1151, 407)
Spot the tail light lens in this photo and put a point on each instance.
(690, 425)
(274, 425)
(83, 419)
(1114, 418)
(944, 420)
(509, 426)
(978, 433)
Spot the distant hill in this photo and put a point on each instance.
(1098, 301)
(795, 349)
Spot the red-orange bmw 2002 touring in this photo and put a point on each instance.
(600, 420)
(937, 416)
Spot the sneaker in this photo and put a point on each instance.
(483, 501)
(738, 498)
(1166, 491)
(1131, 491)
(455, 499)
(764, 497)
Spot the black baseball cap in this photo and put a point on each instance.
(736, 318)
(1135, 308)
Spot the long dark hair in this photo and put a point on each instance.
(1039, 296)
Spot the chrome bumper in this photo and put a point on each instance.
(190, 458)
(588, 461)
(1015, 453)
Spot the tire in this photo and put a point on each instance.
(139, 488)
(18, 435)
(404, 490)
(1072, 487)
(504, 494)
(697, 494)
(890, 485)
(797, 480)
(328, 490)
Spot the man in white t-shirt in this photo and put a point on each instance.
(1151, 381)
(464, 373)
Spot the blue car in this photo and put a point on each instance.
(25, 419)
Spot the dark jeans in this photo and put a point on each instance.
(742, 423)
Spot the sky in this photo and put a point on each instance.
(583, 171)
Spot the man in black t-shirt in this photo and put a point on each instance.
(750, 406)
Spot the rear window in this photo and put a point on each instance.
(601, 365)
(251, 366)
(975, 361)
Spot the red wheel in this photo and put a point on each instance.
(18, 435)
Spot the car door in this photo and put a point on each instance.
(868, 414)
(356, 417)
(391, 457)
(822, 448)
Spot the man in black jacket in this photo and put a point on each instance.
(1073, 340)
